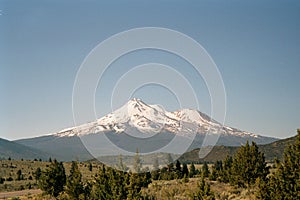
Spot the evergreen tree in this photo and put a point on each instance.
(101, 186)
(285, 182)
(74, 186)
(289, 171)
(90, 167)
(135, 186)
(1, 180)
(170, 164)
(121, 166)
(248, 165)
(87, 188)
(19, 175)
(192, 171)
(178, 166)
(37, 174)
(218, 165)
(137, 165)
(117, 184)
(263, 189)
(136, 182)
(178, 171)
(52, 180)
(185, 170)
(146, 178)
(205, 170)
(114, 184)
(216, 171)
(214, 174)
(155, 169)
(225, 173)
(203, 191)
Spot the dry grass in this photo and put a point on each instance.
(177, 189)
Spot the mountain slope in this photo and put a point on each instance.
(18, 151)
(61, 148)
(276, 149)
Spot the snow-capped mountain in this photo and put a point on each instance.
(152, 119)
(148, 128)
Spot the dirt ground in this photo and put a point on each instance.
(6, 195)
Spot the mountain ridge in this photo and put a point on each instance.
(10, 149)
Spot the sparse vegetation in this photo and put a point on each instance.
(246, 175)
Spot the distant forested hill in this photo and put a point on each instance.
(271, 151)
(18, 151)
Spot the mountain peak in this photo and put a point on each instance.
(135, 100)
(135, 103)
(137, 115)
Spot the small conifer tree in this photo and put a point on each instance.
(74, 186)
(53, 179)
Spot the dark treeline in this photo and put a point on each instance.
(110, 183)
(107, 183)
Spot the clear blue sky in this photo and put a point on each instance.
(256, 47)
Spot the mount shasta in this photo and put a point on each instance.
(137, 125)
